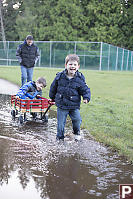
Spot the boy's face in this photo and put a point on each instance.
(72, 67)
(29, 42)
(39, 86)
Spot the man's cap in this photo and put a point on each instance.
(29, 37)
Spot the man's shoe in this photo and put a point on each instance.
(60, 141)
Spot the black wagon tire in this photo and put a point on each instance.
(45, 119)
(13, 114)
(16, 112)
(20, 119)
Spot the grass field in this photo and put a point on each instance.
(109, 115)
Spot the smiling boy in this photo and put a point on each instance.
(66, 90)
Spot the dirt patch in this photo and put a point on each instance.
(7, 87)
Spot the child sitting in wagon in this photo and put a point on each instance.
(32, 89)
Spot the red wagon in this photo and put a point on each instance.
(37, 108)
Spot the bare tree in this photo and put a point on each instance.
(2, 26)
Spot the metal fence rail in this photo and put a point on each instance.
(93, 55)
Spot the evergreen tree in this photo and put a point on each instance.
(43, 22)
(104, 20)
(25, 21)
(59, 20)
(128, 25)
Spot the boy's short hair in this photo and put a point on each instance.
(72, 57)
(42, 80)
(29, 37)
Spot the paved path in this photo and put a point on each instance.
(7, 87)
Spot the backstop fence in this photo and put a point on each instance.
(93, 55)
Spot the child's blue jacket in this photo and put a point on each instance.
(28, 90)
(67, 92)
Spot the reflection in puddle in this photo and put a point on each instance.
(33, 165)
(16, 188)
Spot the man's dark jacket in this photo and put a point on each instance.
(67, 92)
(27, 55)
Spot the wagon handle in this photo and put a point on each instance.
(50, 101)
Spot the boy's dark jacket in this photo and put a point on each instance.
(67, 92)
(28, 90)
(27, 55)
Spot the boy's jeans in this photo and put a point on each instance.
(26, 74)
(61, 121)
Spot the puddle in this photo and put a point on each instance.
(33, 165)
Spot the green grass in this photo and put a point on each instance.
(109, 115)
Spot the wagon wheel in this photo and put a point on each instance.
(45, 119)
(34, 116)
(16, 112)
(20, 119)
(25, 117)
(13, 114)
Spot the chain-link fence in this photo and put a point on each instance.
(93, 55)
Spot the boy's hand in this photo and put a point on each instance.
(85, 101)
(51, 100)
(38, 96)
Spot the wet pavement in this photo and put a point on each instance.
(33, 165)
(7, 87)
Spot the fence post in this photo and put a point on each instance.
(122, 60)
(75, 46)
(100, 66)
(109, 57)
(7, 53)
(127, 60)
(116, 66)
(131, 60)
(84, 58)
(40, 59)
(50, 53)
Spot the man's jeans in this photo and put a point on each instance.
(61, 121)
(26, 74)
